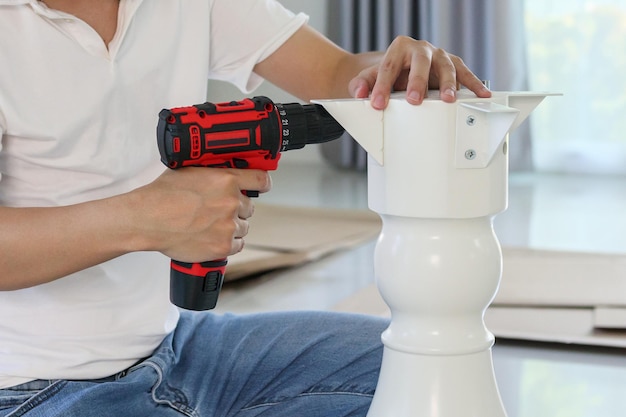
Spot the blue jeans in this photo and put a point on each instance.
(296, 364)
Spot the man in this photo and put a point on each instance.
(89, 216)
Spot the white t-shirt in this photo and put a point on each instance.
(78, 123)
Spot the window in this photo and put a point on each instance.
(578, 48)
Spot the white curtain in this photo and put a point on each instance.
(487, 34)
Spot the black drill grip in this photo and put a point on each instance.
(196, 286)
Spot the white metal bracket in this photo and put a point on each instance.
(481, 128)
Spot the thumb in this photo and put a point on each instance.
(359, 88)
(361, 85)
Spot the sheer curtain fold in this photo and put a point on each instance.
(487, 34)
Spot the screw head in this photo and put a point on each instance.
(471, 120)
(470, 154)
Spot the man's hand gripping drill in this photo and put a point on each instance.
(246, 134)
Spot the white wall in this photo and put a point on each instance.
(220, 91)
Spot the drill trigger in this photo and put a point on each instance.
(250, 193)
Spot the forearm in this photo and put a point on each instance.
(324, 71)
(334, 81)
(38, 245)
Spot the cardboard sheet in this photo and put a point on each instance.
(542, 324)
(533, 277)
(549, 296)
(523, 317)
(546, 296)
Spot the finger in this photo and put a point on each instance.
(388, 71)
(242, 227)
(445, 71)
(241, 230)
(246, 208)
(253, 179)
(360, 85)
(467, 78)
(395, 60)
(237, 246)
(417, 83)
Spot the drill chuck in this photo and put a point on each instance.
(311, 123)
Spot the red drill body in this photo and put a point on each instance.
(246, 134)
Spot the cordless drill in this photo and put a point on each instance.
(246, 134)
